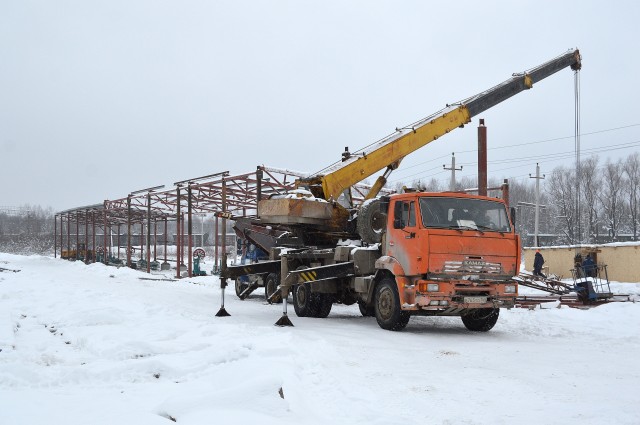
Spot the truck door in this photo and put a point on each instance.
(402, 240)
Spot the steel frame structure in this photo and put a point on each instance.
(220, 194)
(234, 195)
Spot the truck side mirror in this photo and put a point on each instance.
(513, 216)
(397, 216)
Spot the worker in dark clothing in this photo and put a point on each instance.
(589, 267)
(577, 265)
(538, 261)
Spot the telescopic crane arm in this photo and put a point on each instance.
(388, 152)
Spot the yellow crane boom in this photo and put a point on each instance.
(387, 153)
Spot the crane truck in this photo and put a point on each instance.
(418, 253)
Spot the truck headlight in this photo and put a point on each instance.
(509, 289)
(433, 287)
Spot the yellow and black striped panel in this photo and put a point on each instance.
(307, 276)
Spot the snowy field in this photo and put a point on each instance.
(97, 345)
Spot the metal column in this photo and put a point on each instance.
(215, 248)
(129, 231)
(482, 159)
(55, 236)
(178, 239)
(93, 234)
(86, 237)
(149, 232)
(189, 231)
(224, 221)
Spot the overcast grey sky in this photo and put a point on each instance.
(101, 98)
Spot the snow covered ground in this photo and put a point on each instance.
(97, 345)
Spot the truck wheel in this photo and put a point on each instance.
(324, 304)
(387, 306)
(366, 311)
(370, 222)
(270, 286)
(304, 302)
(240, 287)
(481, 319)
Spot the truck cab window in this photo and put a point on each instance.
(445, 212)
(410, 214)
(404, 214)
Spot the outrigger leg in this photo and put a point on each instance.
(222, 312)
(284, 320)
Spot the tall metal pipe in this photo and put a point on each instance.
(482, 158)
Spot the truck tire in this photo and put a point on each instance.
(389, 315)
(240, 287)
(305, 303)
(371, 222)
(481, 319)
(271, 284)
(324, 304)
(366, 311)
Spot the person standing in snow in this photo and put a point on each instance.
(538, 261)
(589, 266)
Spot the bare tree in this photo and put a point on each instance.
(632, 171)
(591, 185)
(561, 189)
(432, 185)
(611, 196)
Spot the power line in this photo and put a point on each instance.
(519, 166)
(547, 158)
(521, 144)
(559, 138)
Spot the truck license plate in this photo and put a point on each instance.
(475, 300)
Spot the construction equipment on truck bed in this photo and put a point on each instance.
(445, 254)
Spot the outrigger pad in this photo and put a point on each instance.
(284, 321)
(222, 313)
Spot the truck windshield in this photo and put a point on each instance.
(461, 213)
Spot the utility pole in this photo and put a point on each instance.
(537, 215)
(452, 184)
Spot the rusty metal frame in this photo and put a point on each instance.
(234, 195)
(221, 192)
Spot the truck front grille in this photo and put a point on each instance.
(472, 266)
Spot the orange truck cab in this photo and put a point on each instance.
(449, 254)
